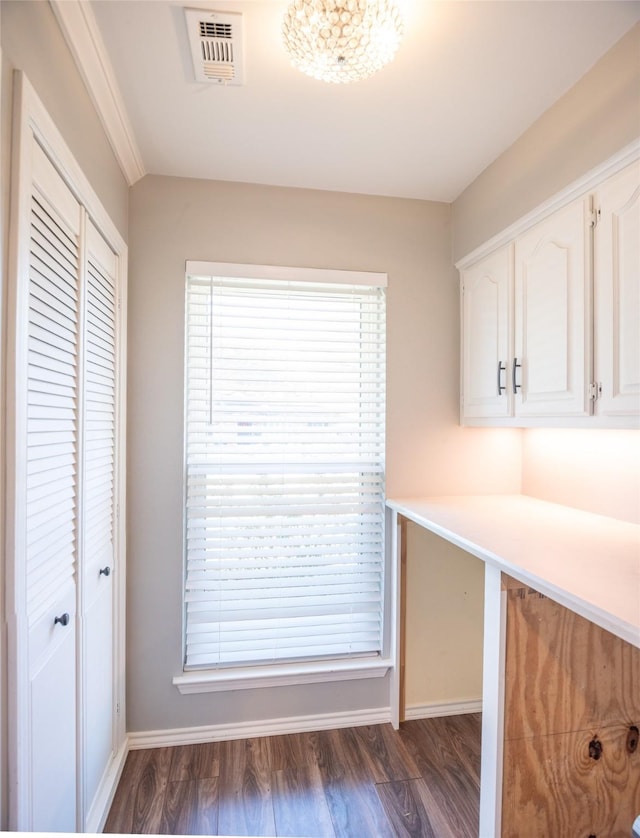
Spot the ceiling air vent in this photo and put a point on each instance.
(216, 45)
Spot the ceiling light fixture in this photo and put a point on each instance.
(341, 40)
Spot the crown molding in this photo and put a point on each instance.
(577, 189)
(80, 29)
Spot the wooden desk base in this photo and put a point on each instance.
(571, 726)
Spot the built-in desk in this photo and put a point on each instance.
(588, 564)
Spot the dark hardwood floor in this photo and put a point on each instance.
(359, 782)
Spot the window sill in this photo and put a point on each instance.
(280, 675)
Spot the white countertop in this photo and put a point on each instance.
(588, 563)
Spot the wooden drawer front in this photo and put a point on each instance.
(564, 673)
(552, 787)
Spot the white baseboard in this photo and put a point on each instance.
(292, 724)
(447, 708)
(249, 730)
(101, 804)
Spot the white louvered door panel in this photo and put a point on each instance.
(52, 393)
(50, 442)
(98, 565)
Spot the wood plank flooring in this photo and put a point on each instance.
(362, 782)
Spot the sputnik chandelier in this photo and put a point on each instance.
(341, 40)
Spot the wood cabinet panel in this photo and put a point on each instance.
(563, 672)
(553, 787)
(572, 711)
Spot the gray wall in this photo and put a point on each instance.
(31, 41)
(172, 220)
(596, 118)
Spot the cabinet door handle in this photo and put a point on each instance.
(63, 620)
(516, 367)
(105, 571)
(501, 368)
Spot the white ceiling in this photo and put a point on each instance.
(469, 78)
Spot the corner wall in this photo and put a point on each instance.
(175, 219)
(596, 118)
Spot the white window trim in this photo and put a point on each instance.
(300, 672)
(281, 675)
(286, 274)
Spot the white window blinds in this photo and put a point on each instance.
(285, 410)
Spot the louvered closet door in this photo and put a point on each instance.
(50, 446)
(98, 567)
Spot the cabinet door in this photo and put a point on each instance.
(552, 306)
(617, 294)
(486, 304)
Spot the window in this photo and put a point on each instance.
(285, 410)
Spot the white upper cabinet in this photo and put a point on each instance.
(551, 361)
(486, 303)
(617, 294)
(551, 313)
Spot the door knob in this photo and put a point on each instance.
(105, 571)
(63, 620)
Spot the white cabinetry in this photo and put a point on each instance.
(552, 282)
(551, 317)
(617, 294)
(524, 324)
(486, 326)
